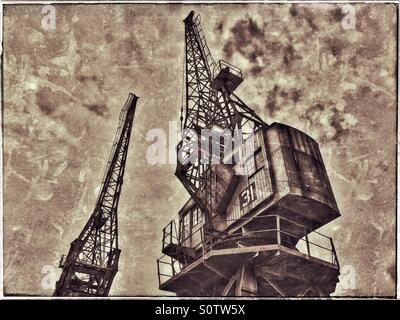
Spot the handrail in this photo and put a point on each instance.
(263, 230)
(269, 216)
(238, 71)
(170, 233)
(208, 244)
(222, 64)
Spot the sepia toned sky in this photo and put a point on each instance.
(64, 89)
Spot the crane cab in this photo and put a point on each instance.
(273, 209)
(283, 176)
(286, 176)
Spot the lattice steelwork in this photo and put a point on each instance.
(210, 103)
(92, 262)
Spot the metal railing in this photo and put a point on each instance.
(222, 64)
(170, 235)
(167, 267)
(312, 244)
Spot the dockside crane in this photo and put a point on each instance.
(92, 261)
(249, 226)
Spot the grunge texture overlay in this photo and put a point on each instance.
(64, 88)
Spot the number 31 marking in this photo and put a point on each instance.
(247, 196)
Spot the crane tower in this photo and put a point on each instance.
(92, 261)
(249, 226)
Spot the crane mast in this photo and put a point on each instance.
(92, 261)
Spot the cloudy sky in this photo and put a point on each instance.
(64, 88)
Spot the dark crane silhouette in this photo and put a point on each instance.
(92, 261)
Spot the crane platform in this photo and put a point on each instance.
(227, 76)
(281, 264)
(275, 266)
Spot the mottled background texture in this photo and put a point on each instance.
(64, 88)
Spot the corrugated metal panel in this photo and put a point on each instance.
(260, 182)
(263, 187)
(295, 163)
(302, 162)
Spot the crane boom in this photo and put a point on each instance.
(92, 261)
(210, 104)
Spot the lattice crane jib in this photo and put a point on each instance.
(92, 262)
(210, 104)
